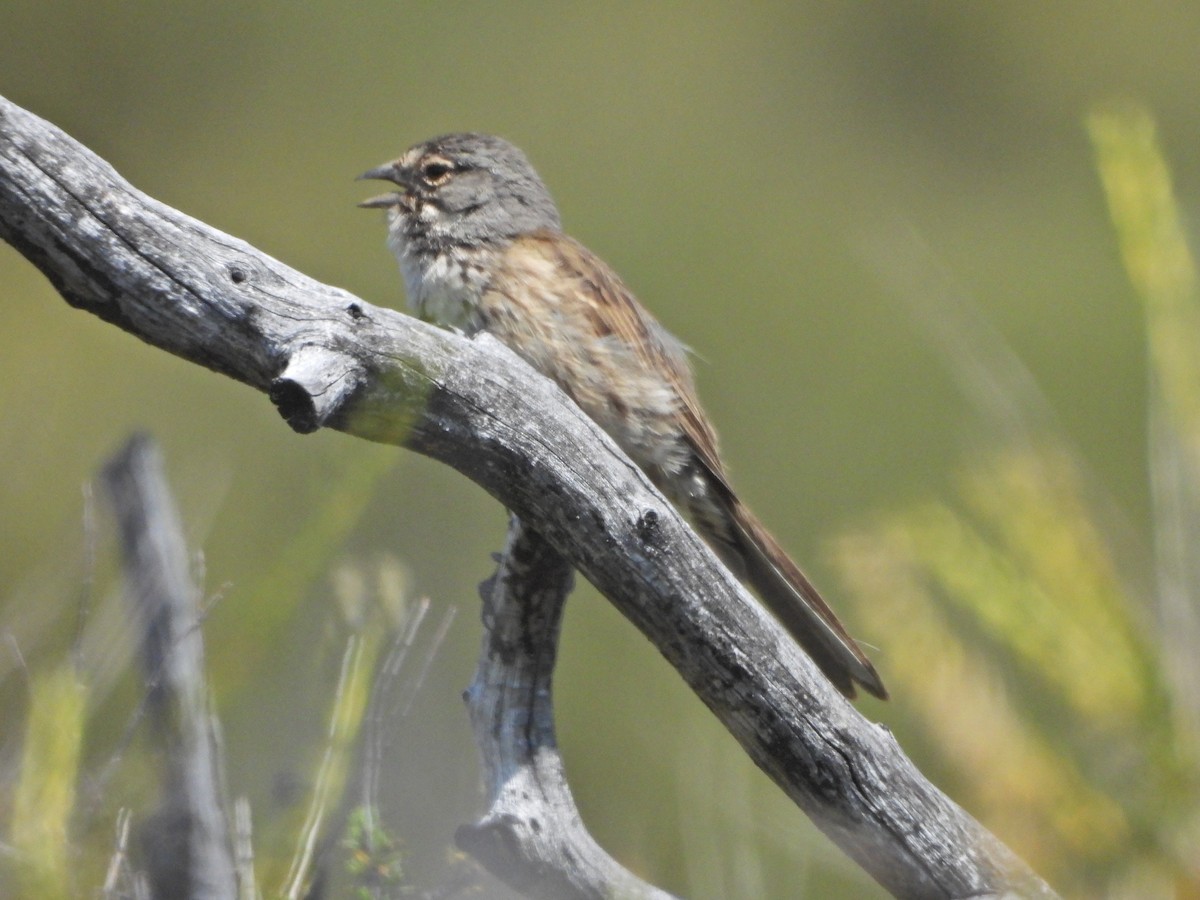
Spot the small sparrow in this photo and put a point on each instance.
(481, 248)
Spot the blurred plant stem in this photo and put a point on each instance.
(45, 795)
(1068, 717)
(1137, 185)
(374, 623)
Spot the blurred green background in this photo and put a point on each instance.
(808, 194)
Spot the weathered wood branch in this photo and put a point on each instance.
(330, 359)
(531, 836)
(188, 849)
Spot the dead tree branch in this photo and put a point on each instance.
(532, 835)
(329, 359)
(188, 848)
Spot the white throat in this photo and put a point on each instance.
(444, 289)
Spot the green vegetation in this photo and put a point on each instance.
(1038, 677)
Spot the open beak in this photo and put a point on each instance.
(386, 172)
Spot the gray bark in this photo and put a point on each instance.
(329, 359)
(188, 850)
(532, 835)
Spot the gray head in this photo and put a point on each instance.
(461, 189)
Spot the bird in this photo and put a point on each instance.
(481, 248)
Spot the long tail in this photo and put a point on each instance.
(791, 597)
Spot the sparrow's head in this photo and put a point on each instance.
(464, 189)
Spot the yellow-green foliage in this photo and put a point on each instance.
(45, 795)
(1137, 185)
(1036, 677)
(373, 623)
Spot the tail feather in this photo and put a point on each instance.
(791, 597)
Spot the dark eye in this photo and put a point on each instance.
(436, 172)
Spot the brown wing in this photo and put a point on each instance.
(796, 603)
(570, 315)
(612, 310)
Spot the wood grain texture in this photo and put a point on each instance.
(531, 835)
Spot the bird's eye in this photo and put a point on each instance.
(436, 172)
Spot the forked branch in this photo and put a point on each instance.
(329, 359)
